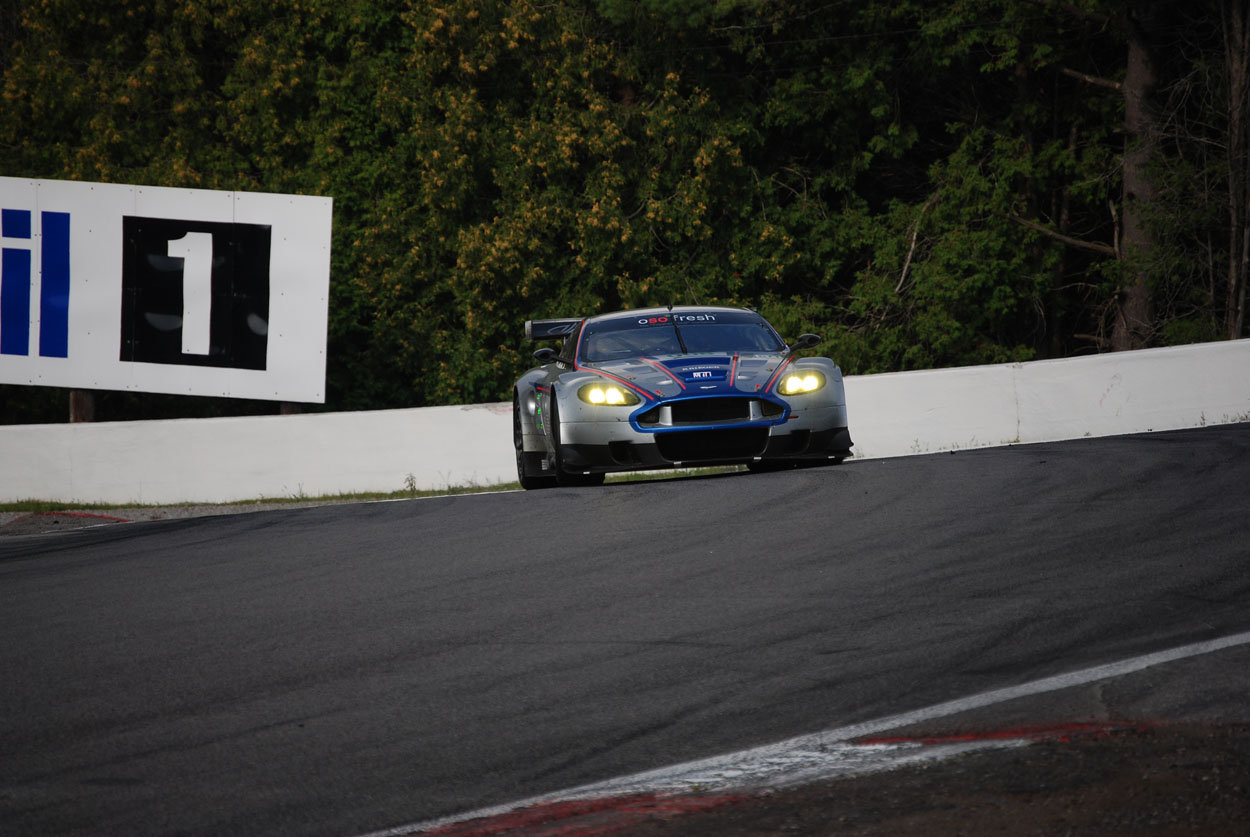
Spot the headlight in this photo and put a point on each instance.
(801, 381)
(607, 395)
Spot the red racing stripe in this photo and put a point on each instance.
(777, 374)
(664, 369)
(618, 379)
(585, 817)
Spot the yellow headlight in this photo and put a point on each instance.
(607, 395)
(797, 383)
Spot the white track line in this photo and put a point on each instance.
(828, 753)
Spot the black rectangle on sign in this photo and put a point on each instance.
(154, 286)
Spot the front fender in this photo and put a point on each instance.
(574, 410)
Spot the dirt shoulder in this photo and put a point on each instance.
(1167, 780)
(41, 523)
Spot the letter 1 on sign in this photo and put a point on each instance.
(196, 251)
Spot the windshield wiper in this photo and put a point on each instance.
(677, 330)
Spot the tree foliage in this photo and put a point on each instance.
(925, 184)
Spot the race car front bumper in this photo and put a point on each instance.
(806, 435)
(709, 447)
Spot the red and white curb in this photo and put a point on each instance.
(612, 805)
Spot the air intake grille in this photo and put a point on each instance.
(711, 445)
(711, 410)
(703, 411)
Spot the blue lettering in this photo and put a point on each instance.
(54, 286)
(15, 283)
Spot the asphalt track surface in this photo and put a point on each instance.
(336, 670)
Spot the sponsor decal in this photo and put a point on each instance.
(664, 319)
(17, 261)
(109, 286)
(192, 293)
(195, 293)
(664, 371)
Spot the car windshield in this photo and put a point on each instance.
(654, 336)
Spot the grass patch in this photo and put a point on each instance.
(373, 496)
(39, 506)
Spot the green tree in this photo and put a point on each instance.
(926, 184)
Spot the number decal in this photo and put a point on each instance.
(196, 251)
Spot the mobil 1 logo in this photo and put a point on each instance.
(195, 293)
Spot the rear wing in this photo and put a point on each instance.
(551, 329)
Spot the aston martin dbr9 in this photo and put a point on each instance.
(673, 387)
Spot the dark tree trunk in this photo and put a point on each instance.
(81, 405)
(1237, 67)
(1132, 323)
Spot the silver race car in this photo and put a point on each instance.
(672, 387)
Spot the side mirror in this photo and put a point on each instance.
(546, 355)
(806, 341)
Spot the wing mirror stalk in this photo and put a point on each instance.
(805, 341)
(549, 355)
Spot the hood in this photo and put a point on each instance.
(687, 376)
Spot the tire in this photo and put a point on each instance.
(528, 481)
(563, 477)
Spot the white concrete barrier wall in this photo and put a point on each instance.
(216, 460)
(1133, 392)
(1049, 400)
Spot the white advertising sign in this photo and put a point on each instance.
(185, 291)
